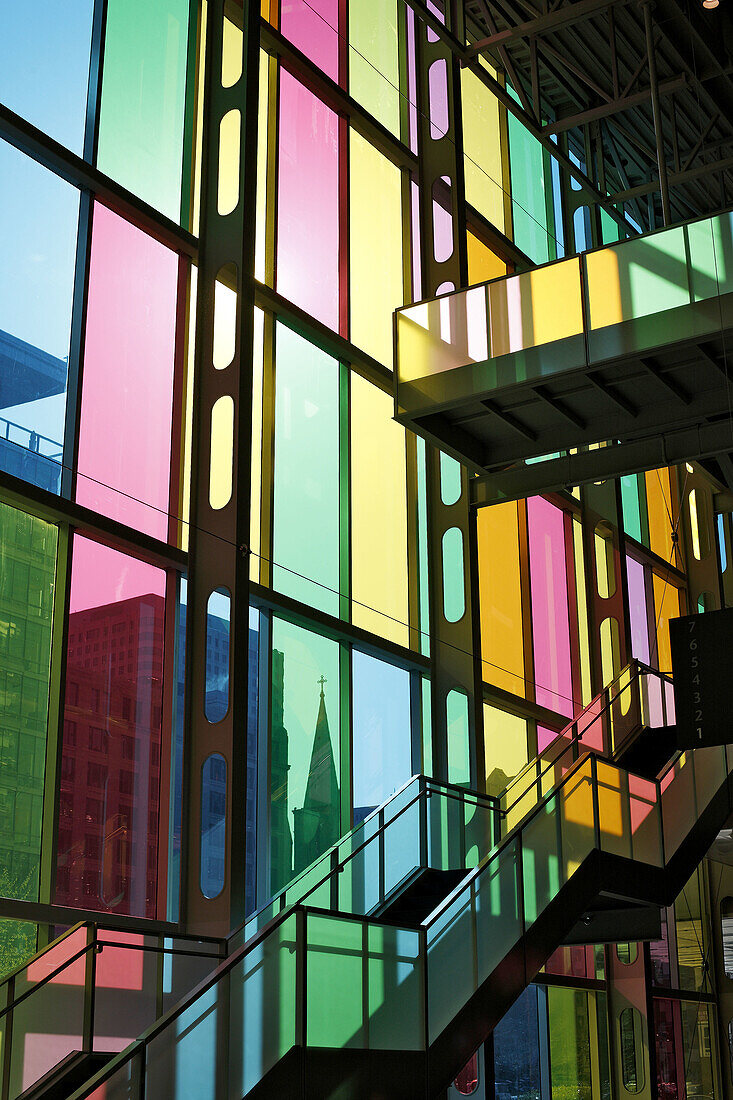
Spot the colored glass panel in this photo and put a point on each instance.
(27, 579)
(517, 1048)
(18, 943)
(550, 625)
(660, 512)
(529, 201)
(382, 744)
(378, 514)
(213, 825)
(375, 247)
(306, 473)
(482, 263)
(44, 66)
(631, 504)
(570, 1045)
(39, 215)
(110, 765)
(458, 730)
(308, 202)
(312, 26)
(482, 158)
(500, 594)
(143, 99)
(127, 391)
(638, 610)
(374, 74)
(263, 198)
(505, 745)
(304, 805)
(666, 607)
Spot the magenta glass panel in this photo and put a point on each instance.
(312, 26)
(412, 78)
(550, 625)
(637, 610)
(308, 203)
(127, 383)
(545, 737)
(110, 763)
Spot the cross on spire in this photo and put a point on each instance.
(322, 681)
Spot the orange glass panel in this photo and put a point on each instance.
(482, 263)
(666, 607)
(659, 505)
(502, 639)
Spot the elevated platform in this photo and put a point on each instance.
(609, 362)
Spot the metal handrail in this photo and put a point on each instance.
(139, 1045)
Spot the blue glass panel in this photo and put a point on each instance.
(721, 543)
(382, 735)
(39, 216)
(44, 66)
(218, 615)
(213, 824)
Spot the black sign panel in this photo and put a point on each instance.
(702, 666)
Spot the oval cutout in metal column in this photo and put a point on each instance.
(221, 461)
(454, 596)
(213, 825)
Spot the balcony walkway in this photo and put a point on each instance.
(607, 363)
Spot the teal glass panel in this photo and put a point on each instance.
(422, 547)
(39, 215)
(306, 478)
(454, 597)
(304, 803)
(451, 946)
(44, 66)
(335, 983)
(395, 989)
(529, 201)
(427, 726)
(610, 229)
(631, 505)
(143, 99)
(459, 758)
(382, 739)
(27, 577)
(450, 479)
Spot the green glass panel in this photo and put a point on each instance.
(374, 75)
(306, 479)
(334, 996)
(529, 200)
(454, 599)
(143, 99)
(610, 229)
(27, 574)
(450, 479)
(304, 817)
(630, 505)
(570, 1050)
(459, 763)
(18, 943)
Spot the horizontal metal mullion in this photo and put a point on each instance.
(38, 912)
(76, 171)
(55, 509)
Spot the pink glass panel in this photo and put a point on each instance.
(545, 737)
(313, 27)
(308, 203)
(120, 968)
(637, 609)
(56, 956)
(550, 625)
(590, 726)
(110, 764)
(127, 385)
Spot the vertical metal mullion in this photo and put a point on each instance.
(8, 1041)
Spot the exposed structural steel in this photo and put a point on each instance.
(456, 679)
(417, 997)
(645, 85)
(219, 532)
(621, 352)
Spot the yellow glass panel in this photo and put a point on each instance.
(378, 514)
(225, 325)
(604, 288)
(505, 747)
(666, 607)
(536, 307)
(659, 507)
(221, 463)
(228, 189)
(256, 479)
(610, 661)
(482, 263)
(231, 54)
(583, 636)
(375, 242)
(610, 806)
(482, 149)
(502, 638)
(185, 509)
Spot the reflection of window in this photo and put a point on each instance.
(627, 952)
(726, 927)
(632, 1070)
(466, 1083)
(730, 1045)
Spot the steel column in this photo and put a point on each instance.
(656, 110)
